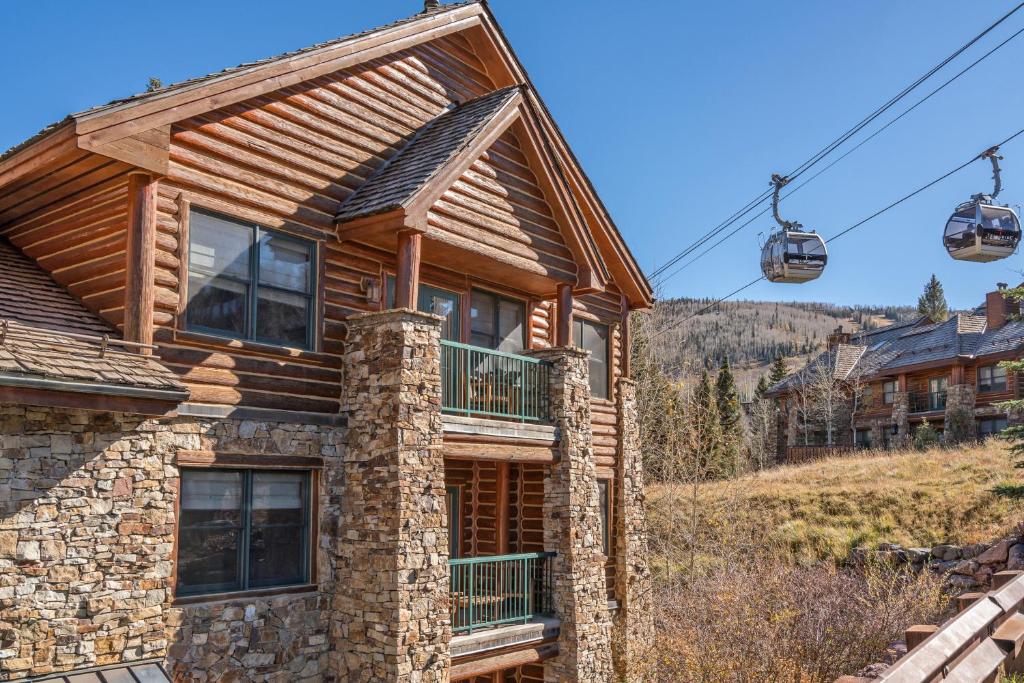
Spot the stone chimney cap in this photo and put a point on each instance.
(429, 5)
(1001, 286)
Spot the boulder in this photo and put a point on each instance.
(918, 554)
(1015, 557)
(966, 567)
(996, 554)
(964, 582)
(969, 551)
(946, 552)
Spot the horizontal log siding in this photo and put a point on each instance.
(287, 161)
(499, 206)
(72, 219)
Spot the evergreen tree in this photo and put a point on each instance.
(1015, 433)
(706, 430)
(932, 303)
(762, 387)
(729, 415)
(778, 371)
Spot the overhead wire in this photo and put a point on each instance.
(845, 231)
(847, 153)
(825, 151)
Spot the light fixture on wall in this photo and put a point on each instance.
(371, 287)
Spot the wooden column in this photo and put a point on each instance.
(501, 511)
(139, 291)
(957, 375)
(624, 335)
(407, 277)
(563, 327)
(902, 382)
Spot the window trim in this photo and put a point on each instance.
(991, 386)
(608, 360)
(498, 297)
(313, 297)
(311, 532)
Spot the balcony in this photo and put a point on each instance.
(485, 383)
(499, 590)
(927, 402)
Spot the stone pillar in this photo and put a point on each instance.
(901, 418)
(389, 612)
(960, 424)
(573, 529)
(633, 633)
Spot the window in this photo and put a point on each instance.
(594, 338)
(433, 300)
(452, 498)
(862, 438)
(867, 397)
(937, 393)
(889, 390)
(248, 282)
(991, 378)
(242, 529)
(497, 322)
(604, 496)
(990, 426)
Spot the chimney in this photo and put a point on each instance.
(838, 337)
(999, 309)
(429, 5)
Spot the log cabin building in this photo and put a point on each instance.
(316, 369)
(891, 380)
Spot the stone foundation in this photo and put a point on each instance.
(573, 530)
(390, 614)
(960, 424)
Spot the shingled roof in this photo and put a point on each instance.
(896, 347)
(424, 156)
(48, 339)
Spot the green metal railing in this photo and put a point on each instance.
(478, 381)
(501, 589)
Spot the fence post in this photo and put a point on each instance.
(915, 635)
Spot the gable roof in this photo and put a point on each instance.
(136, 129)
(434, 146)
(49, 341)
(898, 347)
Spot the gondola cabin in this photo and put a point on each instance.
(793, 256)
(982, 232)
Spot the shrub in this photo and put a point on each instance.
(925, 436)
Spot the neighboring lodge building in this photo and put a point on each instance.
(290, 387)
(892, 379)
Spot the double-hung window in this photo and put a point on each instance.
(248, 282)
(242, 530)
(990, 426)
(594, 338)
(889, 390)
(991, 378)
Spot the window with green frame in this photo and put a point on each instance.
(248, 282)
(604, 496)
(242, 529)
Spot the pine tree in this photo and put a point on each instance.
(932, 303)
(778, 371)
(1015, 408)
(762, 387)
(729, 415)
(706, 430)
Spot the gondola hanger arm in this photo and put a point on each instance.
(992, 154)
(780, 182)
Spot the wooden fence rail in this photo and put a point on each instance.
(800, 454)
(981, 643)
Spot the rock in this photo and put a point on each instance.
(969, 551)
(958, 581)
(946, 552)
(918, 554)
(996, 553)
(943, 567)
(966, 567)
(1015, 557)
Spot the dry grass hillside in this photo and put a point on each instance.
(819, 511)
(753, 333)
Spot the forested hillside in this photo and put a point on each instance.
(751, 334)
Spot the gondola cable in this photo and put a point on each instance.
(654, 276)
(846, 231)
(847, 153)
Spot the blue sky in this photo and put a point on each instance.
(679, 111)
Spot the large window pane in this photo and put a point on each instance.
(219, 246)
(209, 540)
(594, 338)
(217, 304)
(284, 263)
(282, 317)
(277, 537)
(497, 322)
(483, 309)
(510, 326)
(444, 303)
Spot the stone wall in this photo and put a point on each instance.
(572, 530)
(960, 424)
(633, 634)
(87, 503)
(389, 618)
